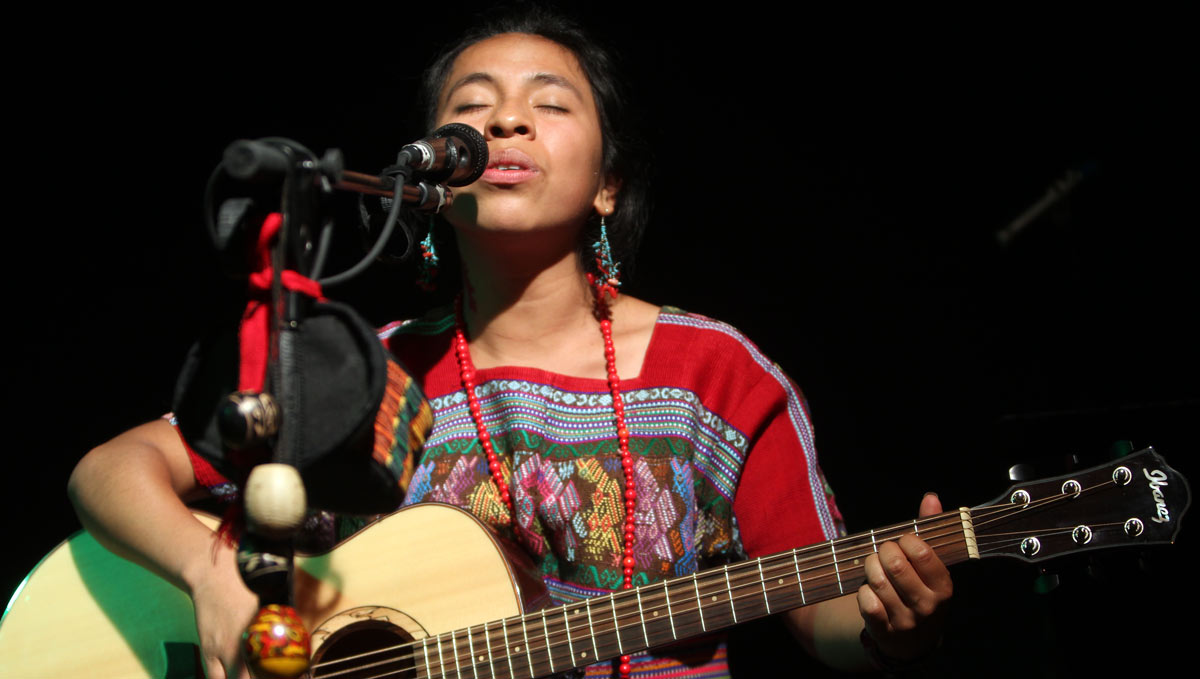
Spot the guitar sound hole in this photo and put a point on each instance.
(364, 650)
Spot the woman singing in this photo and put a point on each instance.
(618, 442)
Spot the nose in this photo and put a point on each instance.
(509, 120)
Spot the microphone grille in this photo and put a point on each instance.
(476, 148)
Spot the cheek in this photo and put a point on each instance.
(582, 160)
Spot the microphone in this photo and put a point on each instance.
(455, 154)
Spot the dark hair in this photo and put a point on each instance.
(624, 154)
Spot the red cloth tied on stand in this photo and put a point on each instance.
(254, 333)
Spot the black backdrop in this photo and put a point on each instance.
(830, 185)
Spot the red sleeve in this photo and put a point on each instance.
(782, 500)
(206, 475)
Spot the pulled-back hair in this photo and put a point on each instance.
(623, 150)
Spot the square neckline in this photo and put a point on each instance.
(572, 382)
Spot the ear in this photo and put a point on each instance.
(606, 196)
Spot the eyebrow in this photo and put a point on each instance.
(540, 78)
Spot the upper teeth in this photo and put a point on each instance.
(509, 167)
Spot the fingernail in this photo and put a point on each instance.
(930, 493)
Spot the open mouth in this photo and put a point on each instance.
(509, 166)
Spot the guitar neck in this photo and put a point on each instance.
(630, 621)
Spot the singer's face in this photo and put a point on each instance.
(534, 105)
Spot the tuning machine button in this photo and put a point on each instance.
(1134, 527)
(1072, 488)
(1081, 535)
(1019, 497)
(1122, 476)
(1031, 546)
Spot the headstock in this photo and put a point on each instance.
(1135, 500)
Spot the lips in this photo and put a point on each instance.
(509, 166)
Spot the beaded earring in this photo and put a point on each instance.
(610, 271)
(429, 262)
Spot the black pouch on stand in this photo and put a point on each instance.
(362, 413)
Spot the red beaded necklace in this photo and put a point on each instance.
(466, 370)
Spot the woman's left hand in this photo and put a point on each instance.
(904, 599)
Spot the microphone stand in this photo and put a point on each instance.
(276, 643)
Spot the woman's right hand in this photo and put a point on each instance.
(224, 608)
(129, 494)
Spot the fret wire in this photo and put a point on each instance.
(441, 659)
(729, 590)
(670, 615)
(471, 650)
(528, 650)
(616, 624)
(799, 580)
(642, 615)
(762, 580)
(699, 604)
(546, 636)
(425, 648)
(512, 673)
(454, 646)
(592, 628)
(567, 629)
(873, 545)
(487, 637)
(835, 568)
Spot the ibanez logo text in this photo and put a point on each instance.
(1158, 480)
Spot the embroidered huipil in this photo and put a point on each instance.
(724, 463)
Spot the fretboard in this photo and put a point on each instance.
(630, 621)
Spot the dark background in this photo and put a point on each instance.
(832, 186)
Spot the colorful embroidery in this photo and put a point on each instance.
(563, 463)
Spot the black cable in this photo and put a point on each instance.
(322, 249)
(384, 236)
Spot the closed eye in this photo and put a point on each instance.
(469, 108)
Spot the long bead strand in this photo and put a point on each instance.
(466, 369)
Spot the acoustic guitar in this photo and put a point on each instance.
(429, 592)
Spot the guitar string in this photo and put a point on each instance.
(758, 583)
(445, 667)
(854, 573)
(1015, 537)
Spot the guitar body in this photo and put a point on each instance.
(426, 569)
